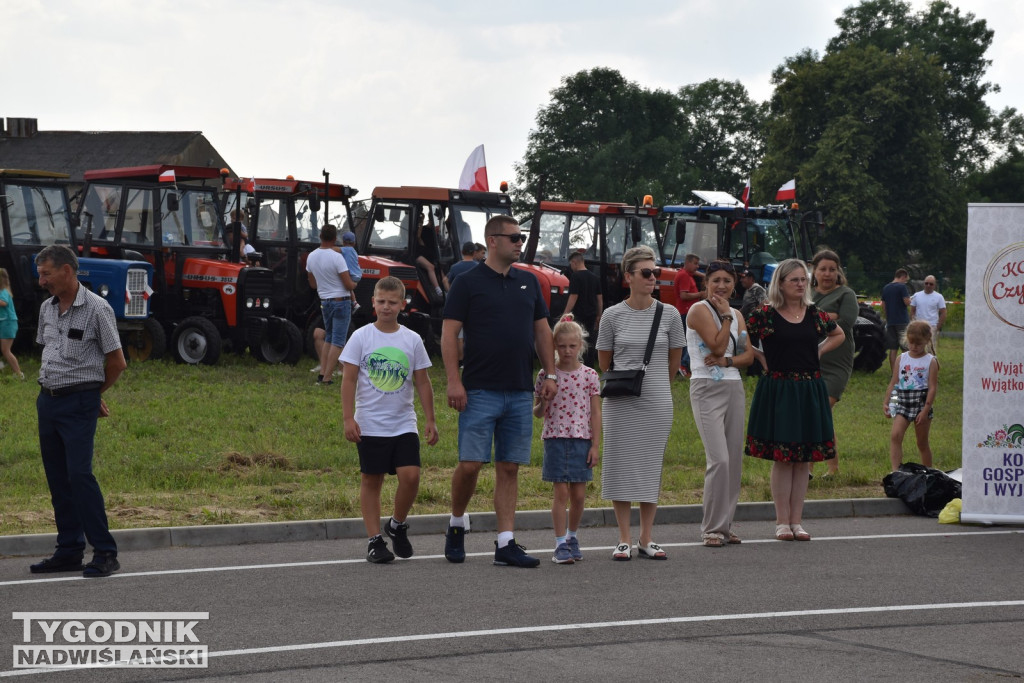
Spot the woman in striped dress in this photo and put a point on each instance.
(636, 428)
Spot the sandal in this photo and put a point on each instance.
(652, 551)
(799, 533)
(734, 539)
(713, 540)
(783, 532)
(622, 552)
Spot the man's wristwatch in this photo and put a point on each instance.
(552, 377)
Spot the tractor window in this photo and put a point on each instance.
(272, 221)
(469, 223)
(138, 218)
(307, 224)
(393, 231)
(99, 211)
(551, 237)
(195, 223)
(582, 236)
(38, 215)
(618, 237)
(770, 241)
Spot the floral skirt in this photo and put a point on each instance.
(790, 419)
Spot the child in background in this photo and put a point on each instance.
(383, 363)
(348, 250)
(8, 324)
(915, 378)
(572, 422)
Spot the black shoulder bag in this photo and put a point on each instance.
(630, 382)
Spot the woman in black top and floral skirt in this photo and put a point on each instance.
(790, 420)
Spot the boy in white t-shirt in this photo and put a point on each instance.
(383, 363)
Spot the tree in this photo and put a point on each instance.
(601, 138)
(726, 134)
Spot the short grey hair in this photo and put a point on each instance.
(59, 255)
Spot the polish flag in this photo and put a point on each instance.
(167, 176)
(787, 191)
(746, 194)
(474, 174)
(147, 293)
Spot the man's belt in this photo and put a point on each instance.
(73, 389)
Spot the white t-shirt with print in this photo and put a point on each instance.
(384, 388)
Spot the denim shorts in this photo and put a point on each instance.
(337, 316)
(565, 460)
(502, 417)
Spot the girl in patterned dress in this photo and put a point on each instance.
(572, 421)
(915, 378)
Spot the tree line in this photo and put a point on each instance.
(887, 133)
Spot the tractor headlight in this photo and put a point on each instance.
(104, 291)
(248, 302)
(266, 302)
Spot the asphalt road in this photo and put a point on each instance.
(885, 598)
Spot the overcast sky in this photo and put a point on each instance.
(394, 93)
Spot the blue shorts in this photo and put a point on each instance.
(337, 316)
(502, 417)
(565, 460)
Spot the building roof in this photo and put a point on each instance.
(75, 152)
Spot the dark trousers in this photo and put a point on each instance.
(590, 357)
(67, 426)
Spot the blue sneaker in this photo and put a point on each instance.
(562, 554)
(513, 555)
(455, 544)
(574, 548)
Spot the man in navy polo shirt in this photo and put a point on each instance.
(501, 311)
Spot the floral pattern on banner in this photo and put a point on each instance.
(1007, 437)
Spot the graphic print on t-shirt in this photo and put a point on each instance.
(387, 368)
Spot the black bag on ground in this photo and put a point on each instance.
(631, 382)
(925, 490)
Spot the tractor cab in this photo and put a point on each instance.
(35, 213)
(282, 220)
(755, 238)
(417, 233)
(602, 232)
(169, 216)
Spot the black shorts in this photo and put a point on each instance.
(894, 336)
(383, 454)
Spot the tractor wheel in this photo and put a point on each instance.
(282, 343)
(869, 340)
(196, 340)
(149, 343)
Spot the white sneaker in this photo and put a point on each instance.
(316, 369)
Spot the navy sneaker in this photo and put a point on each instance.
(574, 548)
(57, 563)
(377, 550)
(102, 565)
(562, 554)
(513, 555)
(455, 544)
(399, 538)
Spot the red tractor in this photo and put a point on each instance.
(170, 217)
(283, 219)
(398, 225)
(602, 231)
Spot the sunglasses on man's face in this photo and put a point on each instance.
(513, 237)
(647, 272)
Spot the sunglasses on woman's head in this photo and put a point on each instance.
(647, 272)
(717, 265)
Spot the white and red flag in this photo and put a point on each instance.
(167, 176)
(474, 173)
(746, 194)
(787, 191)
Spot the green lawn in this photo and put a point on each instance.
(244, 442)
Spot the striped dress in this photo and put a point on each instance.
(636, 428)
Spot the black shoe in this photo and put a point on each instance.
(400, 538)
(455, 544)
(101, 565)
(513, 555)
(377, 551)
(57, 563)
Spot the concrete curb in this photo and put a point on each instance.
(333, 529)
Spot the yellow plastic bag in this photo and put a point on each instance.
(951, 513)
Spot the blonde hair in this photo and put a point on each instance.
(567, 325)
(782, 271)
(918, 329)
(637, 254)
(5, 280)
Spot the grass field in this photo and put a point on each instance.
(245, 442)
